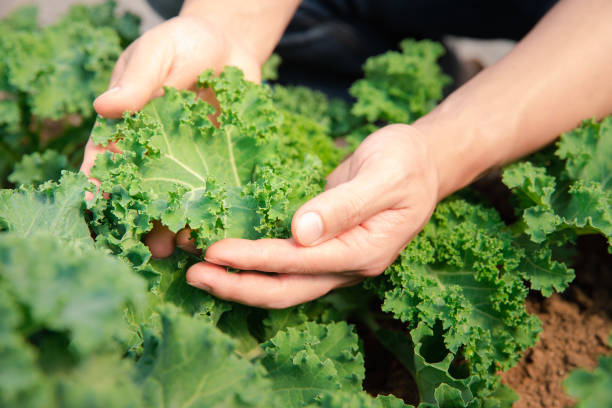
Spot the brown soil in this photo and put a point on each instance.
(575, 333)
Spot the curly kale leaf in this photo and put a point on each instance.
(36, 167)
(53, 208)
(241, 178)
(50, 76)
(63, 323)
(60, 68)
(192, 363)
(126, 25)
(308, 361)
(269, 70)
(576, 198)
(358, 400)
(400, 87)
(460, 278)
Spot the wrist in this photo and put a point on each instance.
(252, 28)
(464, 141)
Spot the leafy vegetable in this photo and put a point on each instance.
(400, 87)
(36, 167)
(49, 77)
(458, 284)
(576, 196)
(62, 307)
(52, 208)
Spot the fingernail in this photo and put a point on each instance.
(309, 228)
(110, 91)
(200, 285)
(213, 260)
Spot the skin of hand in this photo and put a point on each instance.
(171, 54)
(380, 197)
(374, 203)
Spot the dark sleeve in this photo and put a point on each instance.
(166, 8)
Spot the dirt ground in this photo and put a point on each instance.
(576, 329)
(574, 335)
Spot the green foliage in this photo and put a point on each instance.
(459, 285)
(311, 360)
(592, 389)
(36, 167)
(52, 208)
(193, 364)
(61, 324)
(269, 70)
(575, 197)
(400, 87)
(49, 78)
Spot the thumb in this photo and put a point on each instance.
(138, 76)
(343, 207)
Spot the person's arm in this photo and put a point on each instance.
(558, 75)
(254, 26)
(379, 199)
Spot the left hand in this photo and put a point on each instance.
(375, 202)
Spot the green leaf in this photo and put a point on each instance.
(63, 287)
(358, 400)
(460, 280)
(53, 208)
(269, 70)
(194, 364)
(62, 324)
(240, 179)
(36, 168)
(539, 267)
(400, 87)
(173, 288)
(576, 197)
(592, 389)
(307, 361)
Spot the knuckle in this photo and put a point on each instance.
(351, 211)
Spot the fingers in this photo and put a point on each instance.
(340, 255)
(264, 290)
(160, 240)
(185, 242)
(344, 206)
(138, 76)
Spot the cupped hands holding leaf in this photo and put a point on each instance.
(374, 203)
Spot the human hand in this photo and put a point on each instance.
(375, 202)
(171, 54)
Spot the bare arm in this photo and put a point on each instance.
(558, 75)
(255, 25)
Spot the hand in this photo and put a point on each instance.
(172, 54)
(375, 202)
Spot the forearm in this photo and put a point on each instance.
(558, 75)
(255, 25)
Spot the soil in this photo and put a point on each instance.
(572, 337)
(576, 329)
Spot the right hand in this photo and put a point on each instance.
(173, 53)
